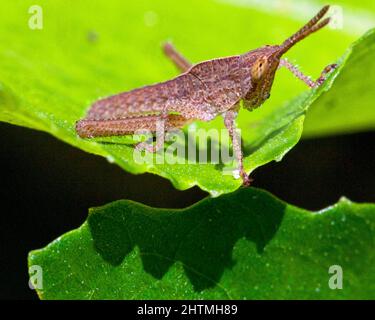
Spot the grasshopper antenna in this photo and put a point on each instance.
(308, 29)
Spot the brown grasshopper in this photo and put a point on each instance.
(201, 92)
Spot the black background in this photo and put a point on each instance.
(47, 187)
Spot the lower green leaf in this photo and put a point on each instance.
(243, 245)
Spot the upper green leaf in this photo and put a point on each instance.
(348, 106)
(87, 50)
(244, 245)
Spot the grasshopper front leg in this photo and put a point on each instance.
(298, 73)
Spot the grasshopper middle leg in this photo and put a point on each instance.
(229, 121)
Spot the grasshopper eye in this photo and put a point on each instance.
(259, 68)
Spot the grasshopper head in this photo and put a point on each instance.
(263, 62)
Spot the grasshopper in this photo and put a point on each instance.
(202, 92)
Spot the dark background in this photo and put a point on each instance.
(47, 187)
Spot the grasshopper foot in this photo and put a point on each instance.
(246, 180)
(326, 71)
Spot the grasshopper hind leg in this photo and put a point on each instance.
(88, 128)
(177, 58)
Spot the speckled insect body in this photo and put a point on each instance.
(202, 92)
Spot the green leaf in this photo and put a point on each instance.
(243, 245)
(49, 77)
